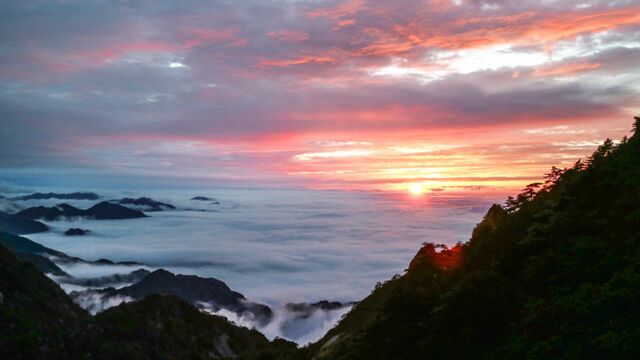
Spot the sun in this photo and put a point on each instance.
(416, 189)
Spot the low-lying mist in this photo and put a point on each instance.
(291, 325)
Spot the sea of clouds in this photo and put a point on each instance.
(274, 246)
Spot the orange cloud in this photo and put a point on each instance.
(527, 28)
(565, 69)
(301, 60)
(523, 29)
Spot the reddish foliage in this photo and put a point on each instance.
(441, 256)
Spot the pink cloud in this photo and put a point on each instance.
(196, 37)
(339, 10)
(566, 69)
(300, 60)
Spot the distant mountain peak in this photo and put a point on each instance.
(209, 293)
(101, 211)
(146, 204)
(65, 196)
(109, 211)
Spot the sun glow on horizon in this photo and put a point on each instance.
(416, 189)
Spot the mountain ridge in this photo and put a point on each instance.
(101, 211)
(209, 293)
(11, 224)
(61, 196)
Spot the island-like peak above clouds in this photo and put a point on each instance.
(49, 213)
(77, 232)
(202, 198)
(210, 293)
(206, 198)
(191, 287)
(102, 211)
(108, 211)
(146, 204)
(66, 196)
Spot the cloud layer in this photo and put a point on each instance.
(276, 246)
(273, 246)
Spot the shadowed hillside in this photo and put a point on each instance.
(165, 327)
(39, 321)
(36, 317)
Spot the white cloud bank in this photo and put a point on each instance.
(277, 246)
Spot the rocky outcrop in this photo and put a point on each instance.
(202, 198)
(438, 256)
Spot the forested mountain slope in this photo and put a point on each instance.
(39, 321)
(555, 273)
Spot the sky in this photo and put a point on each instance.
(387, 95)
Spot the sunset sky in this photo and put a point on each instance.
(387, 95)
